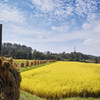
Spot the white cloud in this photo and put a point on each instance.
(92, 42)
(11, 14)
(93, 32)
(55, 8)
(90, 32)
(87, 9)
(58, 9)
(20, 30)
(86, 26)
(46, 5)
(29, 31)
(62, 28)
(45, 36)
(96, 29)
(93, 27)
(6, 0)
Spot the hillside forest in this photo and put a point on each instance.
(17, 51)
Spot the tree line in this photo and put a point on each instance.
(18, 51)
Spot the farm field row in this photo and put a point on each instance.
(63, 79)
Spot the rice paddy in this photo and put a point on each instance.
(63, 79)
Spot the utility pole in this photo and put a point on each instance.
(74, 49)
(27, 54)
(0, 40)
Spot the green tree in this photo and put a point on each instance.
(96, 60)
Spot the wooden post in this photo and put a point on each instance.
(0, 40)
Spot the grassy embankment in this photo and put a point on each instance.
(27, 96)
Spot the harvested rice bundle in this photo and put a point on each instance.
(22, 64)
(37, 62)
(27, 63)
(34, 62)
(42, 62)
(31, 63)
(16, 66)
(9, 81)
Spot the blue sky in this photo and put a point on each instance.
(52, 25)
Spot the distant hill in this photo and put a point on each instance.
(18, 51)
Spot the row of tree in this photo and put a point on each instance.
(18, 51)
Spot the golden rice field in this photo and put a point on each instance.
(63, 79)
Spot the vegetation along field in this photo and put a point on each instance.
(63, 79)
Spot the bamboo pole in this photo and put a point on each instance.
(0, 40)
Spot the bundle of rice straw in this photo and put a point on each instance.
(9, 80)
